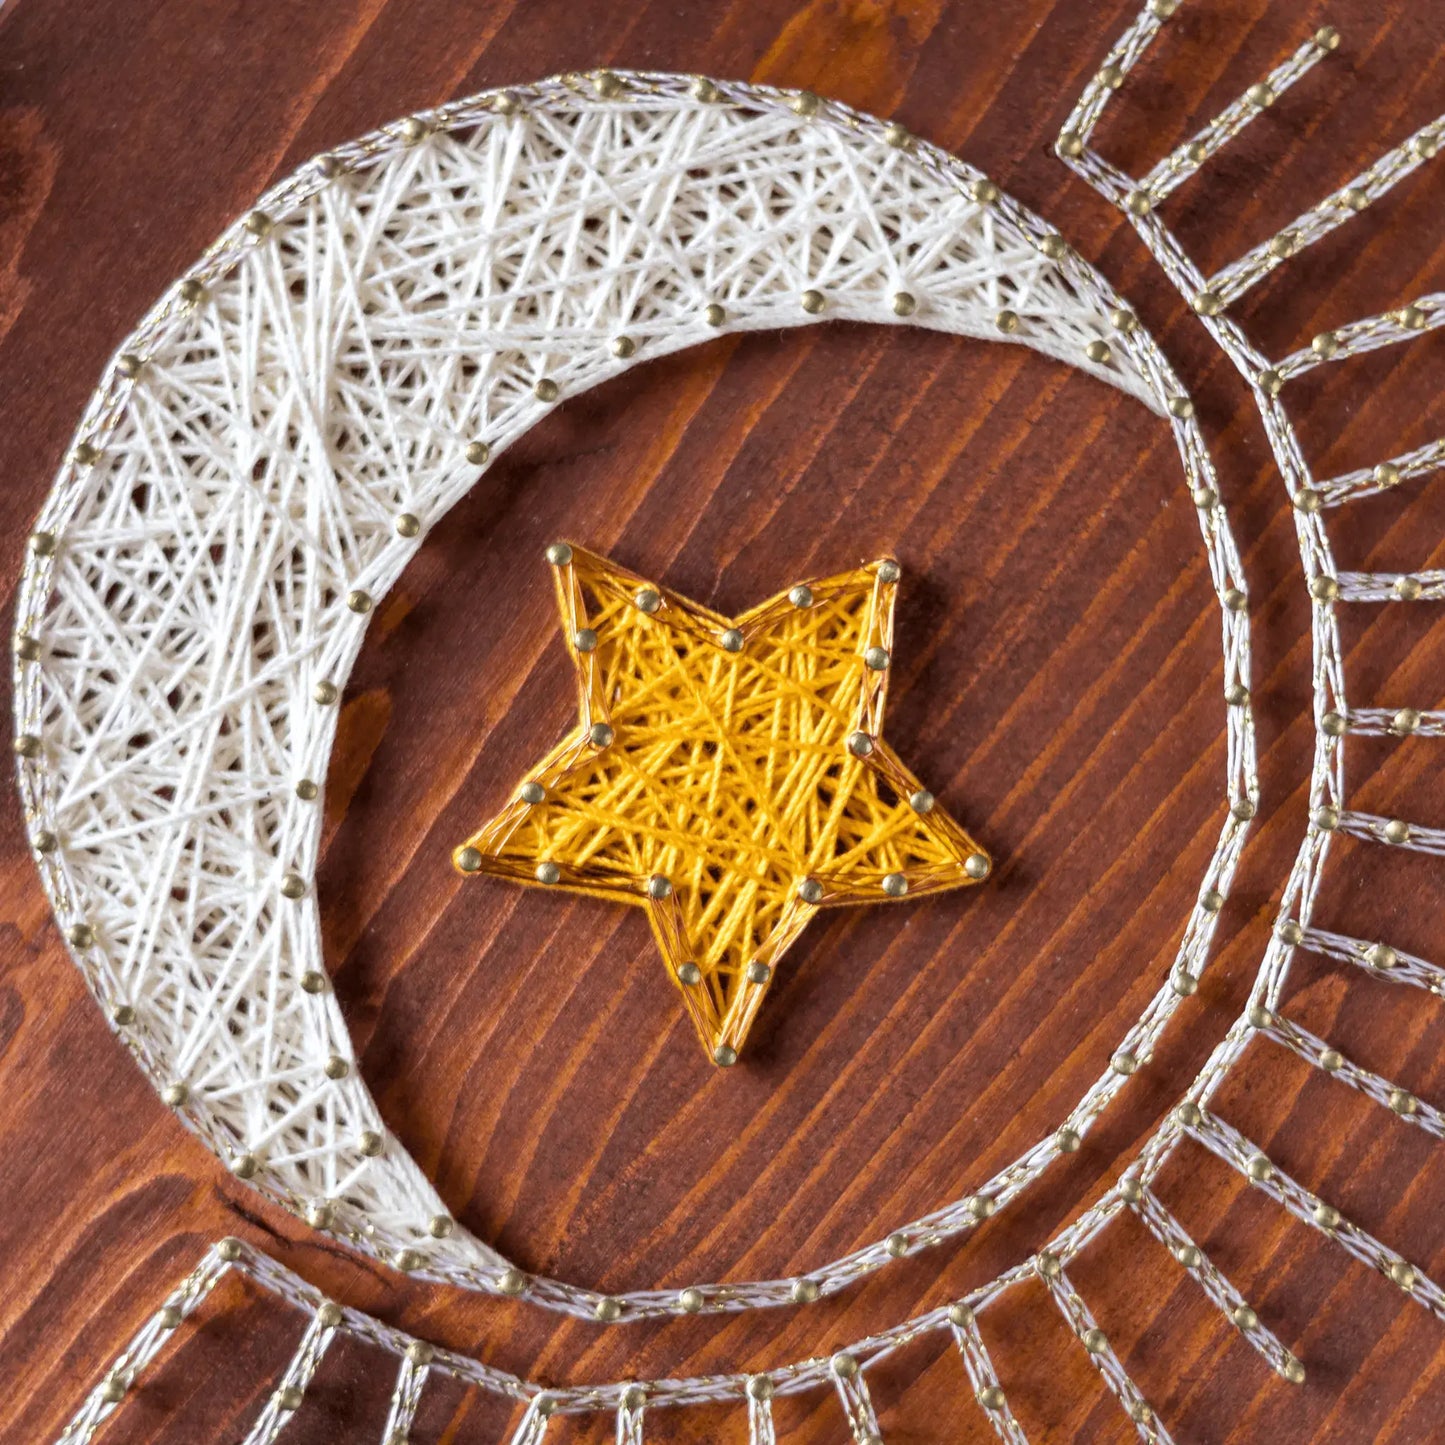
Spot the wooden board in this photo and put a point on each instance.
(1058, 682)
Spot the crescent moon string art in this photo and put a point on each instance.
(273, 489)
(263, 459)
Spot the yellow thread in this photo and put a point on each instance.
(728, 775)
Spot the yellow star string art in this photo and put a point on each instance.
(728, 775)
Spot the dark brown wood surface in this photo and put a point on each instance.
(1058, 681)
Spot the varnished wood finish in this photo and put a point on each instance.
(1058, 682)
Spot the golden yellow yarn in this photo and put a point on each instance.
(728, 775)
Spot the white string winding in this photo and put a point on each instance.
(257, 470)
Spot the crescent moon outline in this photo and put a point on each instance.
(175, 896)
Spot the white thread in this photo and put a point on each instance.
(228, 519)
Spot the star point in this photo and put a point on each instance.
(727, 774)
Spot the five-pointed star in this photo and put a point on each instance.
(727, 774)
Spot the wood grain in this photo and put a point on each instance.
(1058, 682)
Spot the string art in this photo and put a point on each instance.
(264, 458)
(729, 775)
(955, 254)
